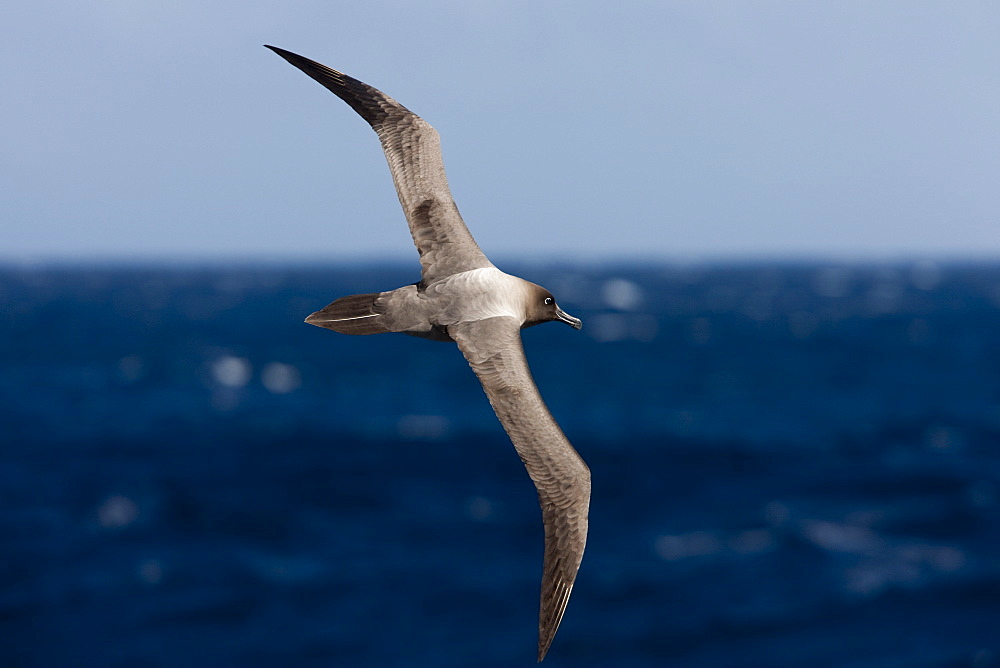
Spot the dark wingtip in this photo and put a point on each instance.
(544, 643)
(371, 104)
(543, 649)
(298, 61)
(293, 58)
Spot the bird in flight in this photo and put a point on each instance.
(463, 298)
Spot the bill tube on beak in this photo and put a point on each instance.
(575, 323)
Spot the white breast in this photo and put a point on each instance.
(479, 294)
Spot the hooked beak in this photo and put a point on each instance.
(575, 323)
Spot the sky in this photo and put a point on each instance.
(138, 130)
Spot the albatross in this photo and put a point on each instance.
(461, 297)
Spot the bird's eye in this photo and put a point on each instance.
(548, 300)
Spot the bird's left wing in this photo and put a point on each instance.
(494, 351)
(413, 151)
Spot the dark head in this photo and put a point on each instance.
(542, 307)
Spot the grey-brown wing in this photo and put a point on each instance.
(413, 151)
(493, 349)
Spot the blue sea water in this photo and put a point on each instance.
(793, 465)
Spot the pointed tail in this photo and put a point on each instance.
(357, 314)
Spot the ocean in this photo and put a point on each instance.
(794, 464)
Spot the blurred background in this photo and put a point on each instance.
(777, 221)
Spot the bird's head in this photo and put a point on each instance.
(542, 307)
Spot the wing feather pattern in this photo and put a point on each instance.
(413, 151)
(494, 351)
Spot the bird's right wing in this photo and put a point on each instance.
(494, 351)
(413, 151)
